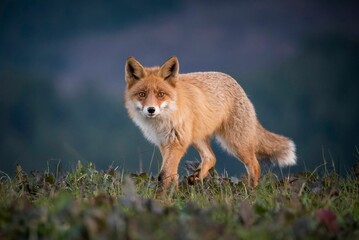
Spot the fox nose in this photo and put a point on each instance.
(151, 110)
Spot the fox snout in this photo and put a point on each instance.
(150, 111)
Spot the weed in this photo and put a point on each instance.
(87, 203)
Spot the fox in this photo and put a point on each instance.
(175, 111)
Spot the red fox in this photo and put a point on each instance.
(176, 110)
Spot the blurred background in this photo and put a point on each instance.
(62, 75)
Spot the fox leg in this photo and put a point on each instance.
(208, 160)
(249, 159)
(241, 143)
(171, 156)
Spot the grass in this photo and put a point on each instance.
(89, 204)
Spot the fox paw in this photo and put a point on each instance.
(194, 177)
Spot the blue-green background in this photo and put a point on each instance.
(62, 75)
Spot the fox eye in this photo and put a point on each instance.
(142, 94)
(161, 94)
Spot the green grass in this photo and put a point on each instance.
(89, 204)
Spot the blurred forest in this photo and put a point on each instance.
(62, 76)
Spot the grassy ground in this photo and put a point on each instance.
(90, 204)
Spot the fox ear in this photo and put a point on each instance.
(134, 70)
(169, 70)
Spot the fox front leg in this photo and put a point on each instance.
(171, 156)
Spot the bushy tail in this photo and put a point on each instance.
(277, 148)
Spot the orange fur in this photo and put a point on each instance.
(176, 110)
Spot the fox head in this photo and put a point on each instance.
(151, 91)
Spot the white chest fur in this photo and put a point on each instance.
(157, 130)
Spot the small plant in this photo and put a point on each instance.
(87, 203)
